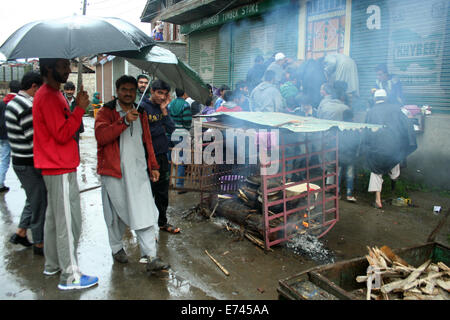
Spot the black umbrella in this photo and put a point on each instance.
(74, 36)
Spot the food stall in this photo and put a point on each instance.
(277, 177)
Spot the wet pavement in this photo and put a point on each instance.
(253, 275)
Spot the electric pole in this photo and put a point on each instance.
(80, 64)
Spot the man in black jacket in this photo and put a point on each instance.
(161, 125)
(386, 148)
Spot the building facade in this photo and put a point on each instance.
(412, 37)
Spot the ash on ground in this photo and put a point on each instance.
(310, 246)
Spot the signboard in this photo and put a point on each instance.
(231, 15)
(416, 43)
(325, 27)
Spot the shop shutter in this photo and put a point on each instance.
(369, 40)
(413, 39)
(273, 32)
(209, 54)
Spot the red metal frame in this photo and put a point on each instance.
(320, 219)
(287, 230)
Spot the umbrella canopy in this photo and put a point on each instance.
(165, 65)
(74, 36)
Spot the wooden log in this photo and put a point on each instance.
(218, 264)
(384, 295)
(392, 256)
(443, 284)
(420, 296)
(381, 254)
(361, 279)
(256, 241)
(393, 285)
(214, 210)
(442, 266)
(369, 286)
(410, 280)
(238, 213)
(429, 288)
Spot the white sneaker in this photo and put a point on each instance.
(83, 283)
(51, 273)
(143, 260)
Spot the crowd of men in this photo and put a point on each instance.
(328, 88)
(41, 127)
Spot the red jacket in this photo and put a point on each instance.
(108, 127)
(54, 146)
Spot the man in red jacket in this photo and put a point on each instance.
(127, 164)
(56, 154)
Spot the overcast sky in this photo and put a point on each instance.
(16, 13)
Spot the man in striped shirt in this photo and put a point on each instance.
(19, 126)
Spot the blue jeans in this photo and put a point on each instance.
(349, 172)
(5, 157)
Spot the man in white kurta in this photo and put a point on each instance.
(128, 201)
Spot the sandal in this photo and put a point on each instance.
(375, 205)
(169, 228)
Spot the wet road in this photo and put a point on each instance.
(254, 275)
(192, 276)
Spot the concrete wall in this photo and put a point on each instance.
(88, 82)
(430, 163)
(178, 48)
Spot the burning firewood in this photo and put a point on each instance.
(390, 277)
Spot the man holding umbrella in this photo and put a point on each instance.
(56, 154)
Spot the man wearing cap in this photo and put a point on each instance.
(385, 148)
(277, 67)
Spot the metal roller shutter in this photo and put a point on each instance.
(209, 54)
(265, 35)
(369, 40)
(413, 38)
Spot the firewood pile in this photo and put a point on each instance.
(389, 277)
